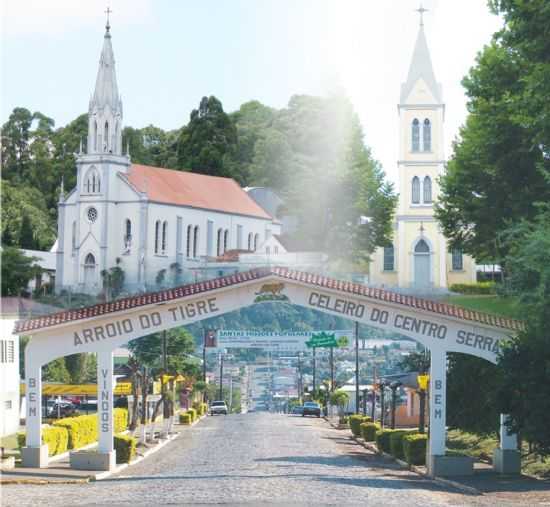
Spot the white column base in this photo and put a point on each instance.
(450, 466)
(506, 461)
(35, 457)
(93, 460)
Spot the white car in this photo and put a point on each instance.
(218, 407)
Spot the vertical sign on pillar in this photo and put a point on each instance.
(105, 389)
(33, 391)
(438, 391)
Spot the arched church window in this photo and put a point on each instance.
(457, 259)
(427, 135)
(256, 241)
(219, 243)
(106, 137)
(95, 135)
(188, 250)
(92, 183)
(73, 238)
(427, 190)
(250, 242)
(225, 240)
(89, 270)
(415, 190)
(195, 240)
(389, 258)
(127, 235)
(164, 236)
(415, 135)
(422, 247)
(157, 236)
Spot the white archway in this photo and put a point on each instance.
(101, 328)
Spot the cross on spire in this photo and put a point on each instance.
(108, 26)
(421, 11)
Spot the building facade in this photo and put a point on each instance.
(419, 258)
(155, 224)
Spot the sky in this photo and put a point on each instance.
(171, 53)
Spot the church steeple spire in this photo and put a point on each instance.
(421, 66)
(105, 110)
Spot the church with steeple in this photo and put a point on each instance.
(419, 258)
(157, 225)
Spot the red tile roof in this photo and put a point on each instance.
(184, 188)
(311, 279)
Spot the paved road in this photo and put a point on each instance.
(254, 459)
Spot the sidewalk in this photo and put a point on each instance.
(60, 472)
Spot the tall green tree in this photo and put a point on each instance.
(497, 171)
(17, 270)
(208, 142)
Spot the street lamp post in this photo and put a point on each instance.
(422, 381)
(221, 375)
(394, 386)
(356, 367)
(382, 386)
(314, 372)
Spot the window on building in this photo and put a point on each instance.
(422, 247)
(95, 136)
(89, 270)
(389, 258)
(92, 183)
(7, 404)
(256, 241)
(275, 249)
(164, 236)
(267, 250)
(188, 245)
(195, 240)
(7, 351)
(157, 236)
(458, 264)
(427, 135)
(415, 145)
(106, 137)
(250, 242)
(415, 190)
(225, 240)
(127, 234)
(219, 242)
(427, 190)
(73, 237)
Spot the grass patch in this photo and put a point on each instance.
(498, 305)
(9, 442)
(480, 447)
(534, 466)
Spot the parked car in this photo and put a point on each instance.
(311, 408)
(297, 410)
(218, 407)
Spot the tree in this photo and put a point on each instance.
(56, 371)
(497, 171)
(76, 365)
(17, 271)
(208, 142)
(416, 362)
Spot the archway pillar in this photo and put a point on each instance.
(507, 459)
(34, 454)
(438, 395)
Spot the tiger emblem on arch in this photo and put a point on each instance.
(271, 292)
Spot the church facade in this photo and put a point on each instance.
(419, 258)
(156, 224)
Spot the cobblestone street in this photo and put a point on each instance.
(255, 458)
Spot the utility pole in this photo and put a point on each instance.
(165, 372)
(221, 375)
(230, 393)
(331, 369)
(314, 382)
(301, 380)
(356, 367)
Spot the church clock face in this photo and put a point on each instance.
(91, 214)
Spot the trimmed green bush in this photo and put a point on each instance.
(193, 413)
(396, 442)
(56, 439)
(120, 416)
(355, 423)
(125, 447)
(186, 418)
(481, 288)
(368, 431)
(414, 448)
(383, 440)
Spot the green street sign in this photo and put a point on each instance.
(323, 339)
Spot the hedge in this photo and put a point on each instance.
(56, 438)
(368, 431)
(383, 440)
(355, 423)
(83, 429)
(200, 408)
(414, 448)
(186, 418)
(125, 447)
(396, 442)
(193, 413)
(474, 288)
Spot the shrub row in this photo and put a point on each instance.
(355, 422)
(83, 429)
(368, 431)
(56, 438)
(200, 408)
(474, 288)
(403, 444)
(125, 447)
(189, 416)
